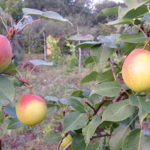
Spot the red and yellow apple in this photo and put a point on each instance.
(31, 109)
(5, 53)
(136, 70)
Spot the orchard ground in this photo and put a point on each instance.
(50, 81)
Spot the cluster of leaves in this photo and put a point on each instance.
(110, 114)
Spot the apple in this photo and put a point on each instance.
(136, 70)
(31, 109)
(5, 52)
(66, 141)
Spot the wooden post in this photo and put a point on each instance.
(45, 50)
(80, 54)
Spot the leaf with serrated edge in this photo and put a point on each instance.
(118, 111)
(75, 121)
(110, 89)
(89, 130)
(135, 140)
(117, 137)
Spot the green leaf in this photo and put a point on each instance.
(88, 44)
(90, 77)
(78, 142)
(118, 111)
(89, 60)
(78, 93)
(144, 107)
(47, 15)
(108, 11)
(11, 69)
(121, 21)
(76, 104)
(11, 111)
(118, 137)
(132, 38)
(105, 76)
(52, 138)
(109, 41)
(39, 62)
(102, 54)
(110, 89)
(51, 98)
(14, 123)
(90, 129)
(75, 121)
(135, 13)
(7, 90)
(81, 37)
(29, 11)
(134, 4)
(135, 140)
(128, 47)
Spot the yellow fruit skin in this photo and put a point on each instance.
(31, 109)
(65, 141)
(136, 70)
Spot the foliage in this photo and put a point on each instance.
(54, 51)
(13, 8)
(109, 116)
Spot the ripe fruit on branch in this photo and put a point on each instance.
(136, 70)
(66, 141)
(31, 109)
(5, 53)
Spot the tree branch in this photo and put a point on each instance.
(26, 83)
(112, 68)
(118, 96)
(91, 106)
(99, 106)
(98, 136)
(27, 25)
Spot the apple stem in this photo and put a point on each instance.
(25, 81)
(139, 27)
(147, 42)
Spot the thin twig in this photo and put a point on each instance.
(112, 68)
(19, 22)
(4, 24)
(11, 22)
(91, 106)
(27, 25)
(98, 136)
(26, 83)
(99, 106)
(118, 96)
(147, 38)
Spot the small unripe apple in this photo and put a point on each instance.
(66, 141)
(31, 109)
(136, 70)
(5, 53)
